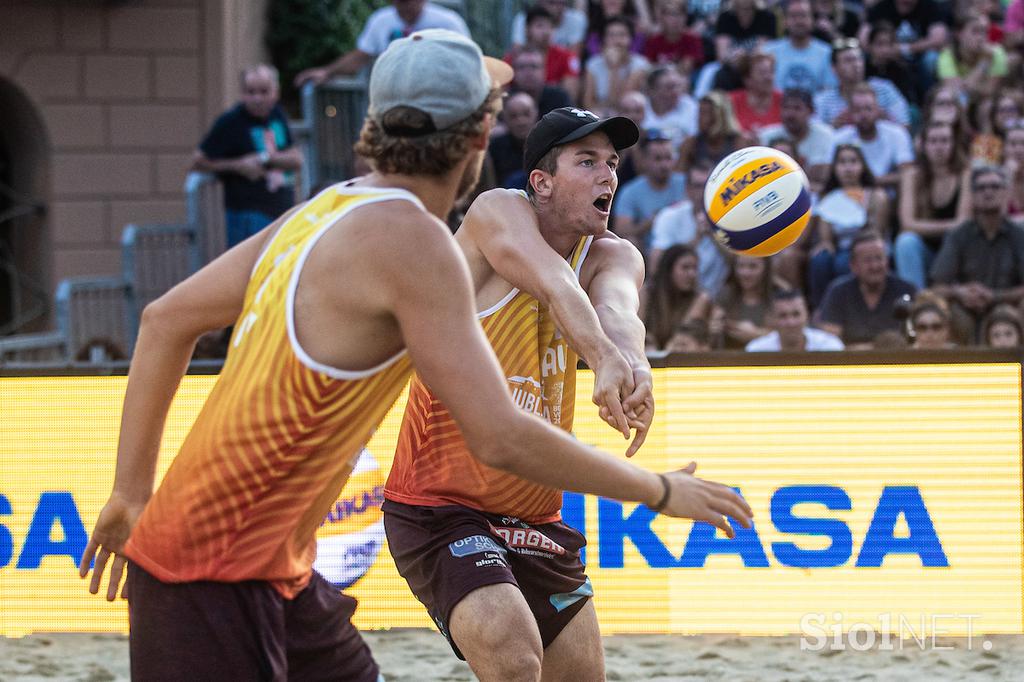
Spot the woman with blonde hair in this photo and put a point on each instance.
(718, 135)
(674, 296)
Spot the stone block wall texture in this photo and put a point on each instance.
(124, 90)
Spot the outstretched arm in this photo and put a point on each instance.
(210, 299)
(615, 274)
(502, 224)
(439, 318)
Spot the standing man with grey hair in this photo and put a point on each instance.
(250, 149)
(335, 302)
(981, 262)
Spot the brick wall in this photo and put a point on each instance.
(125, 91)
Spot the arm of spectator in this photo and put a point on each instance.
(285, 159)
(826, 235)
(879, 213)
(248, 166)
(347, 64)
(935, 39)
(589, 95)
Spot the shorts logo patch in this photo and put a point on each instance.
(474, 544)
(519, 539)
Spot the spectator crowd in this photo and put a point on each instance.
(907, 116)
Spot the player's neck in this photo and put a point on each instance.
(436, 192)
(552, 229)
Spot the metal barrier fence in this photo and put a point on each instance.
(153, 259)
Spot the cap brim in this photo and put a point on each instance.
(621, 131)
(500, 72)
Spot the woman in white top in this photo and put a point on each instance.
(615, 71)
(849, 203)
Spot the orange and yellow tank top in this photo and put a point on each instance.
(278, 436)
(433, 466)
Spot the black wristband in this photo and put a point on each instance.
(664, 495)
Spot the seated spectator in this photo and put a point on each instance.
(922, 28)
(1006, 110)
(930, 322)
(1013, 27)
(833, 105)
(674, 296)
(1002, 328)
(884, 62)
(674, 43)
(971, 64)
(528, 67)
(790, 332)
(801, 61)
(691, 336)
(718, 135)
(757, 104)
(639, 201)
(1014, 165)
(814, 140)
(561, 66)
(887, 146)
(570, 25)
(403, 18)
(669, 108)
(741, 29)
(505, 151)
(632, 105)
(935, 197)
(833, 20)
(981, 262)
(862, 305)
(614, 70)
(250, 149)
(745, 300)
(600, 12)
(685, 222)
(850, 203)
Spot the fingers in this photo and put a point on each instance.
(87, 556)
(97, 571)
(638, 440)
(618, 416)
(689, 468)
(116, 569)
(727, 507)
(720, 522)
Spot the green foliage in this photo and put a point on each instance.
(305, 33)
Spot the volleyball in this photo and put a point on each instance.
(758, 201)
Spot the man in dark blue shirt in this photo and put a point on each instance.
(860, 306)
(250, 149)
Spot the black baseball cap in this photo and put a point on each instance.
(568, 124)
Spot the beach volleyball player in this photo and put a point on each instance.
(332, 305)
(484, 550)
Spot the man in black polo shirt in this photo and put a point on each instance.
(860, 306)
(980, 263)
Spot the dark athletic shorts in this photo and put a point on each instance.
(444, 553)
(205, 630)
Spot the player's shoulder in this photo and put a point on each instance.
(611, 250)
(497, 208)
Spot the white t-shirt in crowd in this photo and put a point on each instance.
(385, 25)
(569, 33)
(890, 149)
(816, 148)
(677, 123)
(675, 224)
(814, 339)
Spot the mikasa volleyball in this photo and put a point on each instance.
(758, 201)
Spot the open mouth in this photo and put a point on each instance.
(603, 203)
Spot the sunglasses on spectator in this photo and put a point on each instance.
(933, 327)
(840, 44)
(994, 186)
(655, 135)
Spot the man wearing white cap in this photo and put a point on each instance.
(331, 305)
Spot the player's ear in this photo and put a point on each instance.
(481, 141)
(541, 182)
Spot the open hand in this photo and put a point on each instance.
(114, 525)
(694, 498)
